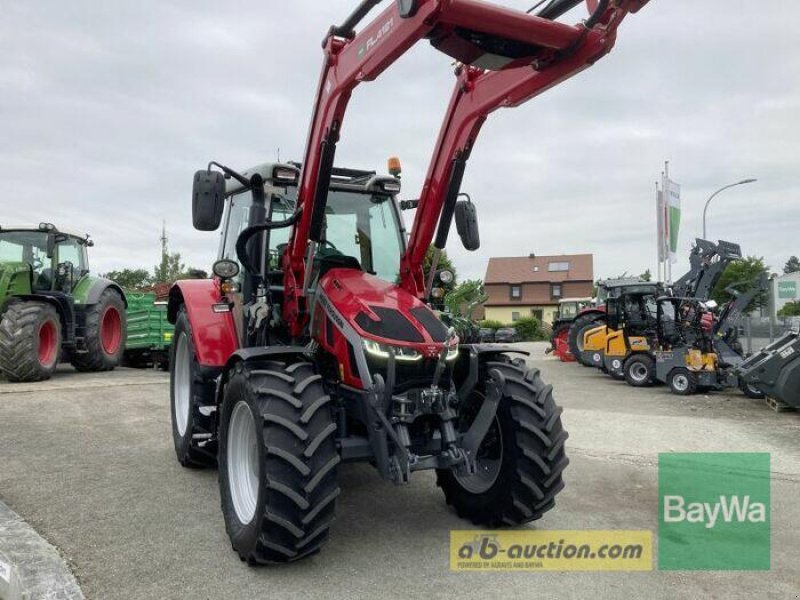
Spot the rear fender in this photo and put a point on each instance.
(89, 289)
(213, 334)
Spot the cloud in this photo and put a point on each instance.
(106, 110)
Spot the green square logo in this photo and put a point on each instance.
(714, 511)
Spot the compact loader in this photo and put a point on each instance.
(314, 343)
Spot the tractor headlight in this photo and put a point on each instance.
(383, 351)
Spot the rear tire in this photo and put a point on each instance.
(193, 432)
(104, 334)
(277, 462)
(30, 341)
(576, 331)
(639, 370)
(682, 382)
(531, 455)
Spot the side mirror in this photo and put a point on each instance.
(208, 200)
(467, 224)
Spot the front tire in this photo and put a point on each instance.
(192, 402)
(682, 382)
(524, 451)
(30, 341)
(104, 334)
(277, 462)
(639, 370)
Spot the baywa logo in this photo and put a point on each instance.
(714, 511)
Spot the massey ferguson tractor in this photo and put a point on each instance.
(313, 344)
(52, 307)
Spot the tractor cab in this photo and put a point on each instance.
(41, 259)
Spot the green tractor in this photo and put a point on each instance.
(50, 307)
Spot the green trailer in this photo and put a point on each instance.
(149, 332)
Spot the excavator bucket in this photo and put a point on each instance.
(775, 370)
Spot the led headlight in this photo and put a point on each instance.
(383, 351)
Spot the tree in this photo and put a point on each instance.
(465, 297)
(792, 265)
(529, 329)
(131, 279)
(790, 309)
(444, 263)
(744, 272)
(646, 276)
(171, 268)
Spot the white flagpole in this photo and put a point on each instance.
(665, 188)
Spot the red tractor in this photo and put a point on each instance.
(314, 345)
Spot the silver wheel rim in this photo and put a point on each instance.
(243, 462)
(638, 372)
(182, 385)
(680, 382)
(487, 469)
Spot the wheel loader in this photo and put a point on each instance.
(314, 344)
(52, 307)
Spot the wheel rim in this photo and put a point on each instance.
(638, 372)
(48, 343)
(243, 462)
(111, 330)
(680, 382)
(488, 461)
(182, 388)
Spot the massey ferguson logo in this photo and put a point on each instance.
(375, 39)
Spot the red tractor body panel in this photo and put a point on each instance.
(213, 333)
(358, 306)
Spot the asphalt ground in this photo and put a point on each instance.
(87, 460)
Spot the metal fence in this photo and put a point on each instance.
(756, 332)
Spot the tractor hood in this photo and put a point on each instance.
(381, 311)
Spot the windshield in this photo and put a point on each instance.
(30, 247)
(27, 247)
(365, 227)
(360, 225)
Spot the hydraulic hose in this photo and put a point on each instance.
(247, 235)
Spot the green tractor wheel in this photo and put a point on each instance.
(105, 334)
(30, 341)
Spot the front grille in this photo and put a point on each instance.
(409, 375)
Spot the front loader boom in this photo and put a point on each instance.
(505, 57)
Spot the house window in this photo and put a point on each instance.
(516, 292)
(558, 267)
(555, 290)
(514, 317)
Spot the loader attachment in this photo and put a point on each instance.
(775, 370)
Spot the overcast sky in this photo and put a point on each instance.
(108, 107)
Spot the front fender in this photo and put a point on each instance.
(213, 334)
(89, 289)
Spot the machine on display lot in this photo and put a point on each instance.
(568, 311)
(51, 307)
(607, 346)
(314, 343)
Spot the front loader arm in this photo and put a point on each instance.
(469, 31)
(477, 94)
